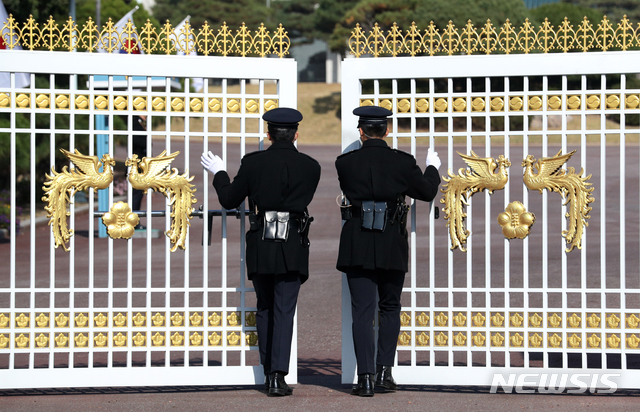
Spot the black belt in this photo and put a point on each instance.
(356, 211)
(292, 215)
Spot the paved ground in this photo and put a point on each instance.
(319, 387)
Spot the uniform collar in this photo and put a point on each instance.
(374, 143)
(282, 144)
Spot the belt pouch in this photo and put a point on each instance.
(379, 216)
(276, 226)
(367, 214)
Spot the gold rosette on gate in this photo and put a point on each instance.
(120, 221)
(515, 221)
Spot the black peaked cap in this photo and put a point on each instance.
(372, 114)
(283, 117)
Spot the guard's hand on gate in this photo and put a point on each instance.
(433, 159)
(211, 162)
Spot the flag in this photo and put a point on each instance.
(130, 45)
(190, 44)
(22, 79)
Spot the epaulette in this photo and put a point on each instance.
(253, 153)
(404, 153)
(304, 154)
(345, 154)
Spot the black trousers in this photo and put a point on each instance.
(362, 286)
(277, 298)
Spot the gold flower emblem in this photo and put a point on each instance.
(250, 319)
(4, 341)
(214, 339)
(516, 222)
(120, 221)
(196, 339)
(478, 339)
(61, 340)
(497, 339)
(139, 339)
(422, 339)
(252, 339)
(81, 340)
(158, 339)
(404, 339)
(214, 319)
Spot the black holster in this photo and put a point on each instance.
(400, 214)
(303, 228)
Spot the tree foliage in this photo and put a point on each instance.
(215, 12)
(556, 12)
(613, 9)
(113, 9)
(404, 12)
(59, 10)
(329, 13)
(40, 10)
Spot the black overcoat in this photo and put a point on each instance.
(282, 179)
(377, 172)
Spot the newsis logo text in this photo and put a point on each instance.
(555, 382)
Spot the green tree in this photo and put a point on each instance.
(215, 12)
(403, 12)
(329, 13)
(311, 19)
(113, 9)
(59, 10)
(613, 9)
(39, 9)
(297, 17)
(556, 12)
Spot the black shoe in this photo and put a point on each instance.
(365, 386)
(140, 227)
(384, 380)
(277, 385)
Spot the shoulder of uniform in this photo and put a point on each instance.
(309, 157)
(253, 153)
(404, 153)
(346, 154)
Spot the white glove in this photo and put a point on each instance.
(211, 162)
(433, 159)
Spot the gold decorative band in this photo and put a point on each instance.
(208, 41)
(73, 329)
(479, 104)
(603, 329)
(489, 39)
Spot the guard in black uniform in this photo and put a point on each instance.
(373, 244)
(280, 183)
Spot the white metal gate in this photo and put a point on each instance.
(113, 312)
(526, 307)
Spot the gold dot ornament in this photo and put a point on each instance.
(42, 101)
(23, 101)
(196, 105)
(478, 105)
